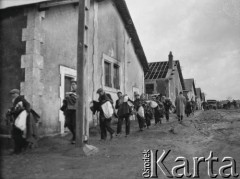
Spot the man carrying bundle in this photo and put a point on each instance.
(23, 119)
(69, 109)
(106, 112)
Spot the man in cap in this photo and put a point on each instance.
(105, 123)
(18, 113)
(69, 109)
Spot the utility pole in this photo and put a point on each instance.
(81, 65)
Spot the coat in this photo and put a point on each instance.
(31, 120)
(180, 105)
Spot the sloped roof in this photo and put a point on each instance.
(157, 70)
(8, 3)
(123, 11)
(189, 83)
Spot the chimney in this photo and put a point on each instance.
(170, 61)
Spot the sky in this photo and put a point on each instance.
(203, 34)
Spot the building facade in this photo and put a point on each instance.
(165, 78)
(190, 90)
(40, 55)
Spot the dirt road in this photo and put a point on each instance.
(216, 131)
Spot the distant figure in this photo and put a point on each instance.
(180, 106)
(159, 110)
(188, 109)
(168, 106)
(204, 105)
(193, 104)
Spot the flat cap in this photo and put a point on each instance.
(15, 91)
(136, 94)
(73, 81)
(99, 90)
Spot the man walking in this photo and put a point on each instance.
(138, 104)
(167, 105)
(69, 109)
(105, 123)
(19, 113)
(180, 106)
(124, 112)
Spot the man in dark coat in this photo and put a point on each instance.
(167, 105)
(124, 112)
(137, 104)
(69, 109)
(188, 109)
(24, 130)
(105, 123)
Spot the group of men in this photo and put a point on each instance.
(24, 119)
(143, 109)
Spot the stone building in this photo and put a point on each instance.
(38, 51)
(190, 90)
(165, 77)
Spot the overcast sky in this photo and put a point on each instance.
(203, 34)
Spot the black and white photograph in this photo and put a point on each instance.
(119, 89)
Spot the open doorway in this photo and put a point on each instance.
(67, 75)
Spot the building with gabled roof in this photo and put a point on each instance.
(190, 89)
(165, 77)
(38, 51)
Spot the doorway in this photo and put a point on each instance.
(67, 75)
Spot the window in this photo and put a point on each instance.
(116, 84)
(111, 73)
(149, 88)
(107, 69)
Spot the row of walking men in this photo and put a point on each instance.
(24, 119)
(143, 109)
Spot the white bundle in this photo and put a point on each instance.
(21, 120)
(125, 99)
(153, 104)
(141, 111)
(107, 109)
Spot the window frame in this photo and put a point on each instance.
(113, 63)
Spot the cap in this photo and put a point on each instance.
(73, 81)
(99, 90)
(136, 94)
(15, 91)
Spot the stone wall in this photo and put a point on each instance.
(12, 21)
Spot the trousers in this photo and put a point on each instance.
(105, 125)
(127, 124)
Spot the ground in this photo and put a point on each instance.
(216, 131)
